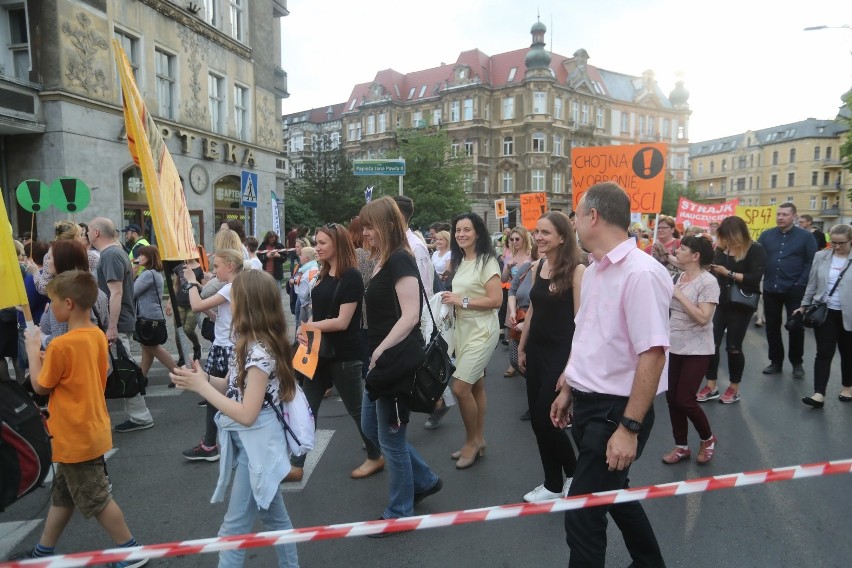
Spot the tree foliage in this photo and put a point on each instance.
(846, 147)
(672, 192)
(434, 178)
(327, 191)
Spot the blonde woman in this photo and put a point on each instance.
(518, 254)
(66, 231)
(442, 256)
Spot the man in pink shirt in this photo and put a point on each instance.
(615, 370)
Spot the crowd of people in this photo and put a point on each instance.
(558, 292)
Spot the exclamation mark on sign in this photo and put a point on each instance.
(69, 188)
(647, 155)
(35, 194)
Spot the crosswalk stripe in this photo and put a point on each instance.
(12, 533)
(321, 440)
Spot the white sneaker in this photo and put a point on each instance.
(566, 486)
(540, 493)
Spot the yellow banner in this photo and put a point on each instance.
(12, 291)
(166, 199)
(758, 219)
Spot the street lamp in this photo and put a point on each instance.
(815, 28)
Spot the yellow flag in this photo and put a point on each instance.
(166, 199)
(12, 291)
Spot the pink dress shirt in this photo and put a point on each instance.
(624, 311)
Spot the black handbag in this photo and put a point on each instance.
(208, 329)
(151, 332)
(739, 297)
(126, 379)
(816, 314)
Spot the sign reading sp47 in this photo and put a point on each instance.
(378, 167)
(640, 169)
(248, 188)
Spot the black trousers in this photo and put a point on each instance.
(831, 337)
(773, 303)
(596, 417)
(731, 322)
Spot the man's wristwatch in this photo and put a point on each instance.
(465, 302)
(632, 425)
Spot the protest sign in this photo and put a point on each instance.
(758, 219)
(640, 169)
(702, 214)
(533, 206)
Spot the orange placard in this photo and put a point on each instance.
(307, 356)
(640, 169)
(500, 208)
(533, 206)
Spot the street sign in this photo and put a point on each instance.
(248, 189)
(378, 167)
(500, 208)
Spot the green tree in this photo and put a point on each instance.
(434, 179)
(672, 192)
(296, 211)
(328, 188)
(846, 148)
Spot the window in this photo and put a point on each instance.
(468, 147)
(241, 112)
(165, 64)
(791, 179)
(508, 108)
(467, 183)
(792, 155)
(557, 108)
(539, 102)
(512, 72)
(411, 93)
(816, 157)
(665, 128)
(741, 162)
(238, 17)
(417, 119)
(422, 91)
(824, 202)
(335, 140)
(557, 144)
(773, 200)
(584, 119)
(297, 142)
(712, 166)
(775, 158)
(538, 144)
(700, 168)
(454, 148)
(538, 180)
(130, 44)
(625, 122)
(383, 121)
(814, 178)
(557, 182)
(436, 117)
(650, 123)
(468, 109)
(508, 146)
(354, 131)
(211, 12)
(813, 201)
(641, 125)
(371, 124)
(825, 178)
(773, 181)
(741, 184)
(455, 108)
(828, 154)
(599, 118)
(575, 112)
(508, 182)
(216, 97)
(757, 183)
(725, 164)
(19, 45)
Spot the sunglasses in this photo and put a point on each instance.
(332, 226)
(515, 239)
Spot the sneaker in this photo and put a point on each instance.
(418, 497)
(706, 394)
(130, 426)
(566, 486)
(798, 372)
(201, 403)
(129, 563)
(730, 396)
(435, 418)
(705, 453)
(202, 452)
(772, 369)
(678, 454)
(541, 493)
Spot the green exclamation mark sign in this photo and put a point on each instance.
(33, 195)
(70, 194)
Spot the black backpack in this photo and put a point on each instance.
(25, 455)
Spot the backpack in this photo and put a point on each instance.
(25, 455)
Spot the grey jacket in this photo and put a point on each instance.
(818, 286)
(148, 291)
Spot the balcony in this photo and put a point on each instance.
(831, 164)
(279, 8)
(20, 107)
(830, 212)
(281, 83)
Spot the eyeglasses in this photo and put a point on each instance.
(839, 243)
(515, 239)
(665, 226)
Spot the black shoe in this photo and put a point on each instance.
(844, 398)
(418, 497)
(526, 416)
(181, 362)
(810, 401)
(504, 341)
(798, 372)
(202, 403)
(772, 369)
(196, 353)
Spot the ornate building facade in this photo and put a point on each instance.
(798, 162)
(211, 77)
(514, 117)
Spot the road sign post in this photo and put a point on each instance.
(380, 168)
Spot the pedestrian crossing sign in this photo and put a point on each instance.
(248, 189)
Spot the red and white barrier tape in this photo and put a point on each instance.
(349, 530)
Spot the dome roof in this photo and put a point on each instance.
(538, 27)
(679, 96)
(537, 58)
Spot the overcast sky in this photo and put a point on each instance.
(746, 63)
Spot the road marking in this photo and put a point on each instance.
(161, 391)
(12, 533)
(321, 440)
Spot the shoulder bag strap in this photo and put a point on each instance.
(839, 278)
(287, 430)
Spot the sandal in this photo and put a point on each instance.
(510, 372)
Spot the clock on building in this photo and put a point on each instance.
(198, 178)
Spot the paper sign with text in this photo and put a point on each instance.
(758, 219)
(533, 206)
(500, 208)
(701, 214)
(307, 356)
(640, 169)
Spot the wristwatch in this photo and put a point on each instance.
(465, 302)
(632, 425)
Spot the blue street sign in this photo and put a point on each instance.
(248, 189)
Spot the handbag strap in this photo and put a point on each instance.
(287, 430)
(839, 278)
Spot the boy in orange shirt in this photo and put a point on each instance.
(73, 371)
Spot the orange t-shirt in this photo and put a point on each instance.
(75, 367)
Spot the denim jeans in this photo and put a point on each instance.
(241, 513)
(407, 472)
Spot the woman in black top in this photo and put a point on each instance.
(737, 259)
(272, 254)
(546, 345)
(336, 301)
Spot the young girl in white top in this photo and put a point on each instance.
(251, 437)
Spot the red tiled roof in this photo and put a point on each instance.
(316, 115)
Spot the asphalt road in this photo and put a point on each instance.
(793, 523)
